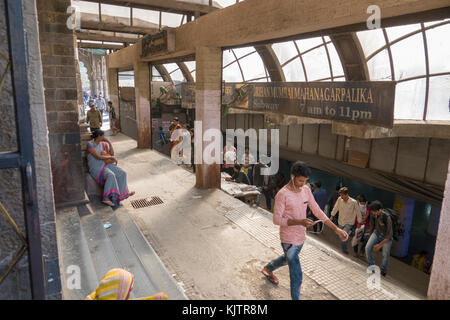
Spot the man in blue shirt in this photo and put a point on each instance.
(320, 195)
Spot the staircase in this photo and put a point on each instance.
(86, 241)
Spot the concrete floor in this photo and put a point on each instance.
(216, 246)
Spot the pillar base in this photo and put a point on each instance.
(207, 176)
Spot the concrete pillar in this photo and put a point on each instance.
(439, 287)
(433, 224)
(405, 207)
(208, 108)
(142, 93)
(113, 89)
(105, 90)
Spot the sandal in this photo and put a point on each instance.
(132, 193)
(109, 203)
(270, 276)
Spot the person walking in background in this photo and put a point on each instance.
(348, 210)
(186, 145)
(162, 136)
(320, 195)
(360, 246)
(290, 214)
(94, 118)
(100, 104)
(247, 162)
(175, 140)
(113, 118)
(381, 230)
(229, 157)
(332, 200)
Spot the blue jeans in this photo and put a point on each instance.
(374, 239)
(347, 228)
(290, 258)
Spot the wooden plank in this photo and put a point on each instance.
(161, 5)
(101, 37)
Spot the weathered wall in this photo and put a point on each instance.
(17, 284)
(439, 287)
(58, 61)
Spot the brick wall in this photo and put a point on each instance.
(59, 73)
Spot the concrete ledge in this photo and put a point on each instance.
(402, 128)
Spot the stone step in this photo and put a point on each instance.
(148, 257)
(74, 255)
(124, 250)
(101, 249)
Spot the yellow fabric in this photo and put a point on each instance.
(115, 285)
(419, 262)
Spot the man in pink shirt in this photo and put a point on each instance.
(290, 214)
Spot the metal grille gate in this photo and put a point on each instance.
(24, 158)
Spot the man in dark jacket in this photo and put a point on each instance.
(381, 237)
(264, 183)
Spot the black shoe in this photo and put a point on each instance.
(383, 274)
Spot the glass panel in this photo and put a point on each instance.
(87, 7)
(190, 65)
(225, 3)
(439, 99)
(177, 76)
(252, 67)
(145, 15)
(410, 99)
(306, 44)
(240, 52)
(371, 40)
(116, 11)
(294, 71)
(379, 67)
(232, 73)
(427, 24)
(327, 39)
(193, 75)
(339, 79)
(397, 32)
(171, 67)
(316, 64)
(227, 57)
(409, 57)
(171, 19)
(439, 48)
(126, 80)
(335, 61)
(285, 51)
(156, 75)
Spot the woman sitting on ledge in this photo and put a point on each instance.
(103, 167)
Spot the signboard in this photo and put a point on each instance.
(160, 43)
(369, 102)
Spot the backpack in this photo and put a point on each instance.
(396, 228)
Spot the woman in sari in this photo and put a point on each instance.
(103, 167)
(117, 285)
